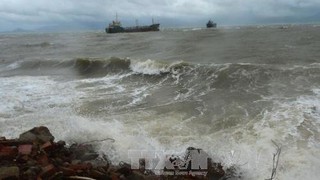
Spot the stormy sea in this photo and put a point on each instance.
(231, 91)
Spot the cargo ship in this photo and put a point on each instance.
(211, 24)
(115, 27)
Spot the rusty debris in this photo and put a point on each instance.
(35, 155)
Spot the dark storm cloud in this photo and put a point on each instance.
(33, 13)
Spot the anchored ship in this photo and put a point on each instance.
(211, 24)
(115, 27)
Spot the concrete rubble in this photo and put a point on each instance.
(35, 155)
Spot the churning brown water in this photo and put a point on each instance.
(229, 91)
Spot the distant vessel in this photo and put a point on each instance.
(211, 24)
(115, 27)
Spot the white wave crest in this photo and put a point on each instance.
(149, 67)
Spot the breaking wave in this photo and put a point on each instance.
(169, 105)
(223, 74)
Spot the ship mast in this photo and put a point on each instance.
(116, 17)
(116, 22)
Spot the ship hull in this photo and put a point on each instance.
(119, 29)
(213, 25)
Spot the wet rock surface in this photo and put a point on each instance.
(35, 155)
(38, 134)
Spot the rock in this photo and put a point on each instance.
(75, 161)
(8, 152)
(57, 176)
(83, 152)
(39, 135)
(25, 149)
(48, 146)
(115, 176)
(81, 166)
(125, 169)
(61, 143)
(135, 175)
(13, 142)
(32, 162)
(98, 175)
(43, 160)
(89, 156)
(31, 173)
(22, 158)
(67, 171)
(11, 172)
(58, 161)
(80, 178)
(215, 170)
(48, 171)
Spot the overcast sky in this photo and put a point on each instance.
(95, 14)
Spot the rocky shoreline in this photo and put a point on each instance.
(35, 155)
